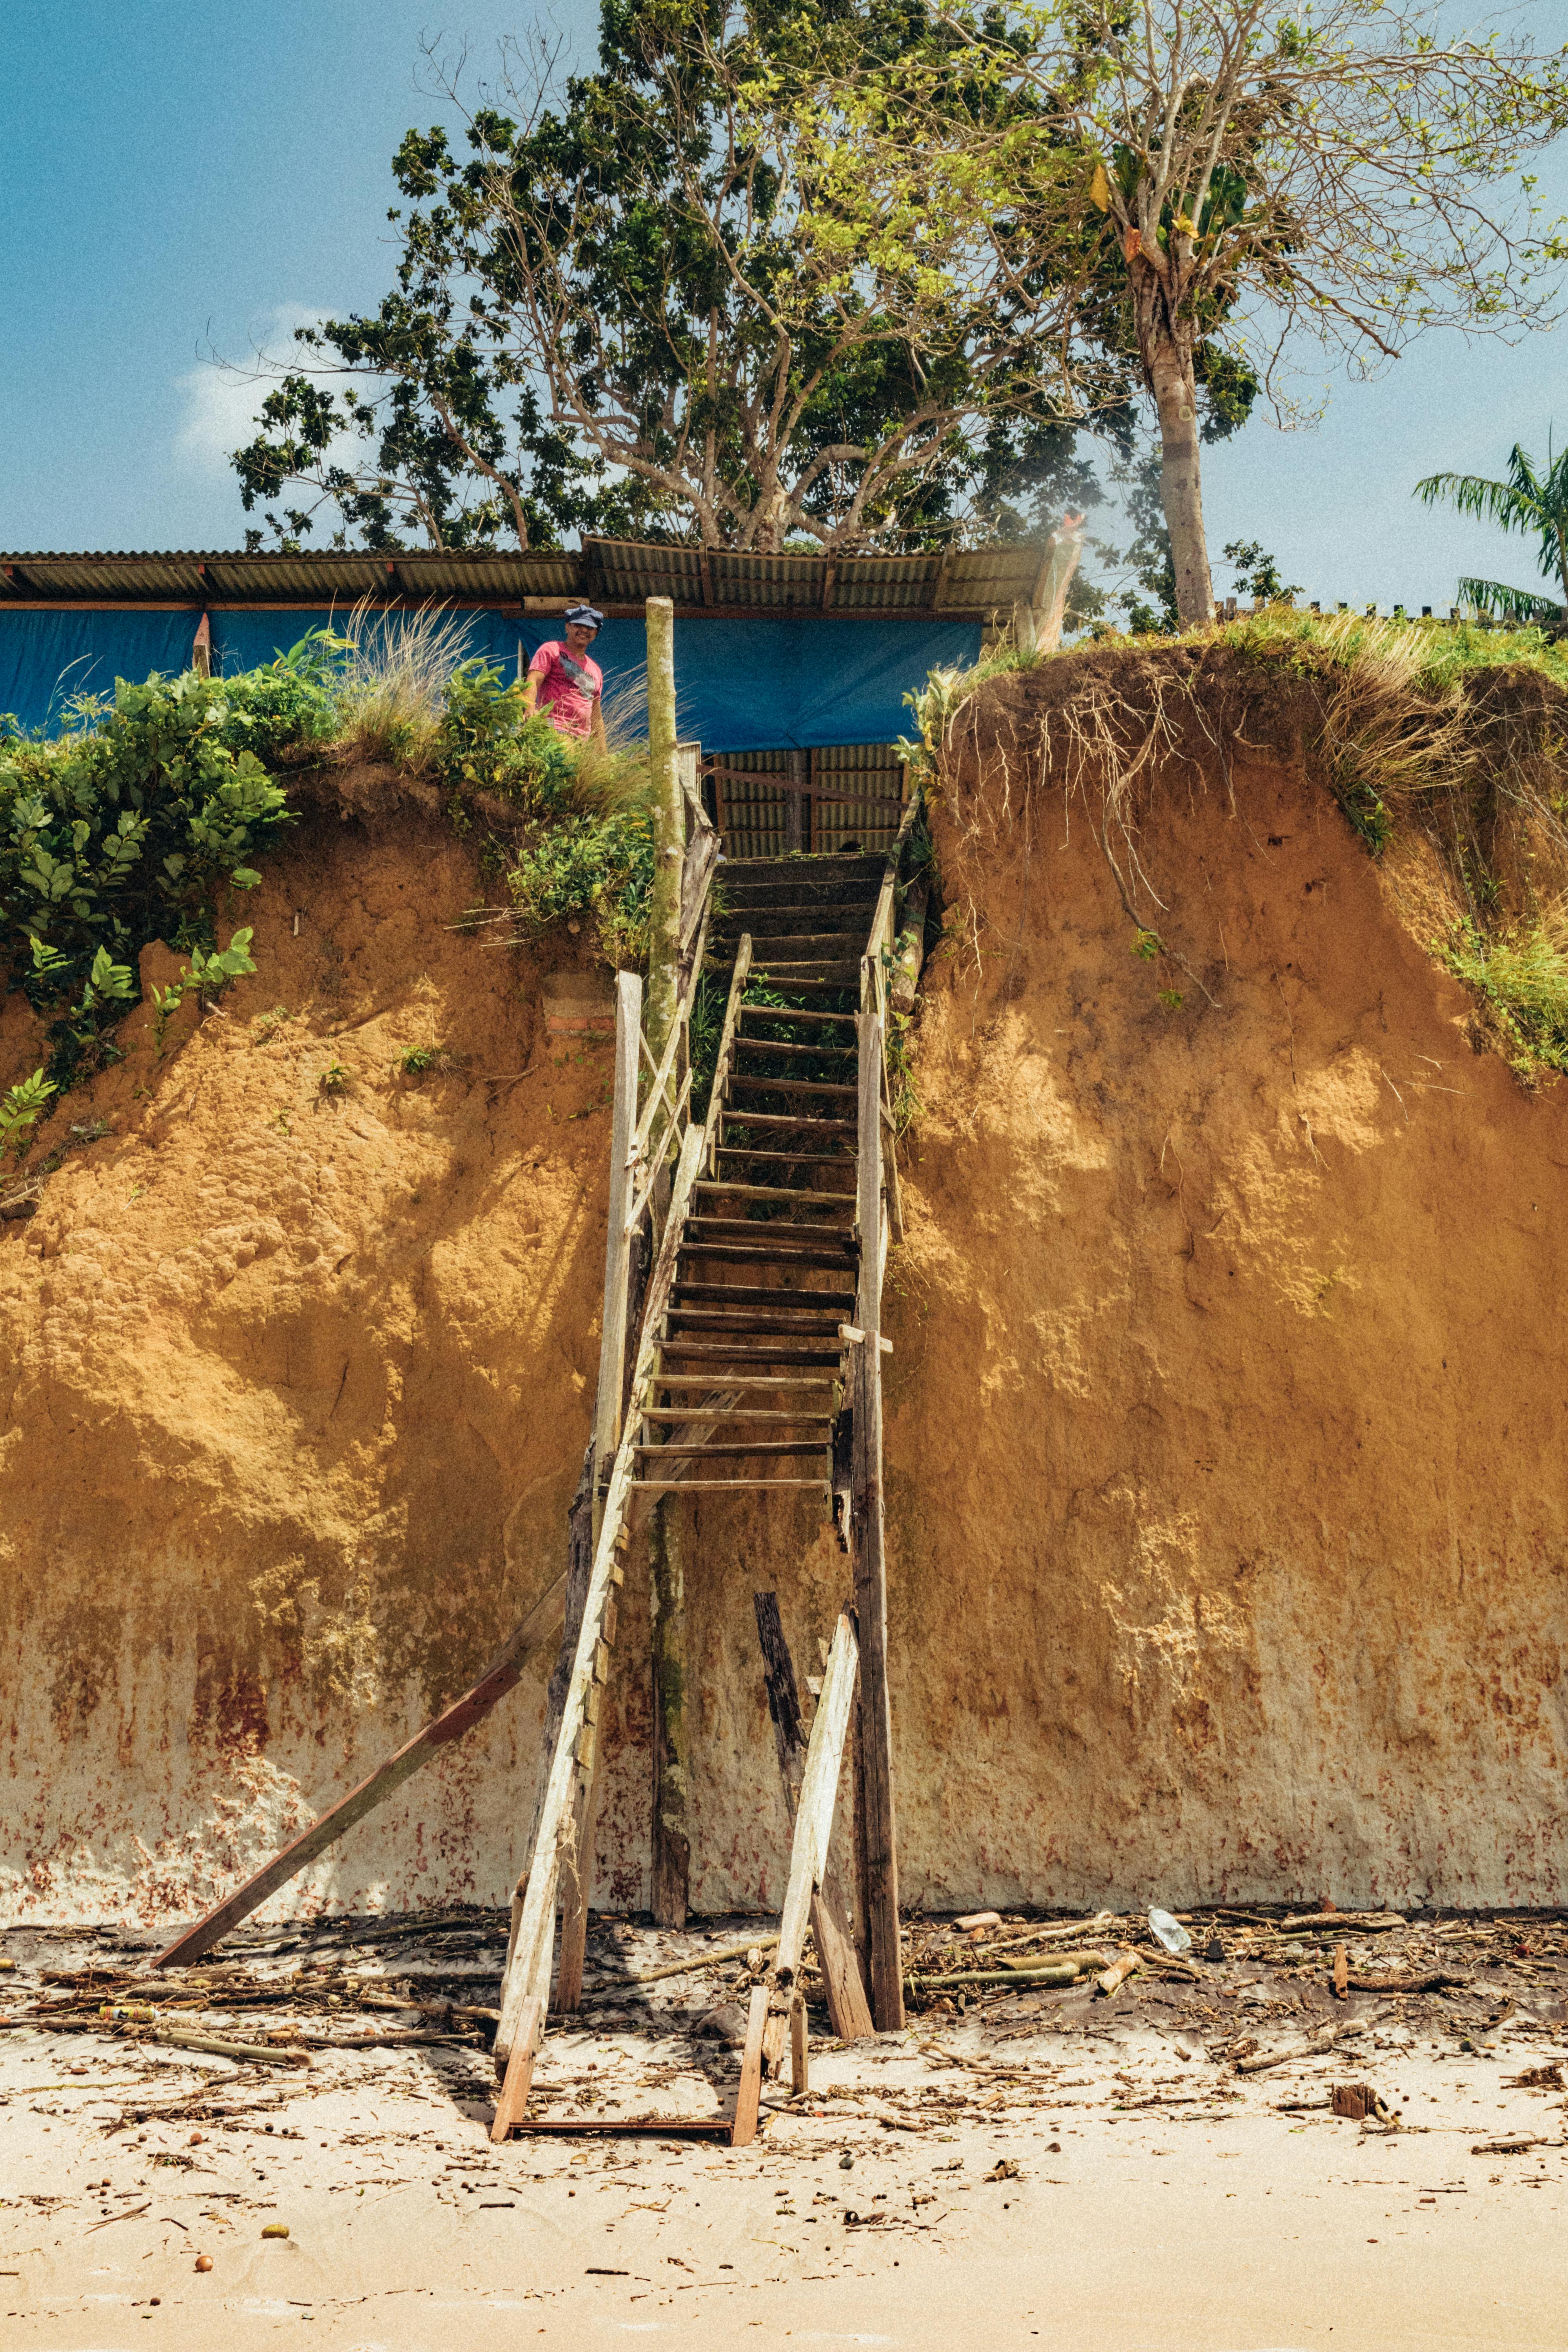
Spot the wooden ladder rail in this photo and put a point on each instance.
(878, 1217)
(572, 1766)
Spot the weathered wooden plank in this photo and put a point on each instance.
(873, 1740)
(529, 1967)
(502, 1675)
(818, 1796)
(748, 2098)
(670, 1840)
(617, 1240)
(847, 2003)
(512, 2104)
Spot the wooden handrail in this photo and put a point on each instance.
(726, 1050)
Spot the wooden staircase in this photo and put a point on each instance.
(768, 1268)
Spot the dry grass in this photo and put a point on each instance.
(393, 682)
(1447, 750)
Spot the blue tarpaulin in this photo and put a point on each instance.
(741, 686)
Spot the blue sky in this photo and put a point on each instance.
(180, 180)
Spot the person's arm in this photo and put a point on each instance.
(531, 692)
(596, 726)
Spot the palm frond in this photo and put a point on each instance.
(1507, 503)
(1524, 606)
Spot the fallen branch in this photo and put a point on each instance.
(683, 1968)
(1325, 2039)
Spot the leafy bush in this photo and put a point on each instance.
(114, 833)
(490, 740)
(20, 1110)
(590, 865)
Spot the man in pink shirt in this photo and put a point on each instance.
(564, 684)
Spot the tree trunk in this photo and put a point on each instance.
(1165, 349)
(1181, 481)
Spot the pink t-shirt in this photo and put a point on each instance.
(566, 687)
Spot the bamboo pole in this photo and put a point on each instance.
(668, 827)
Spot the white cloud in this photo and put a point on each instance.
(222, 399)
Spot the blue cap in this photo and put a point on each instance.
(587, 615)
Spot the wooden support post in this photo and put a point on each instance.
(876, 1852)
(668, 827)
(512, 2104)
(529, 1965)
(799, 2047)
(503, 1674)
(577, 1843)
(797, 803)
(578, 1856)
(748, 2098)
(813, 1819)
(617, 1241)
(671, 1843)
(847, 2003)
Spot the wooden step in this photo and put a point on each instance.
(762, 1380)
(807, 947)
(772, 1448)
(796, 919)
(766, 1231)
(723, 1486)
(773, 1192)
(843, 1161)
(781, 1046)
(809, 979)
(735, 1294)
(805, 866)
(828, 1087)
(740, 1253)
(678, 1412)
(713, 1351)
(792, 1121)
(795, 1013)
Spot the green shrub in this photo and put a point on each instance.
(489, 742)
(115, 833)
(20, 1110)
(598, 866)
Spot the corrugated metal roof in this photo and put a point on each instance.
(967, 584)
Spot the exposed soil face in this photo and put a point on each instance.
(1225, 1425)
(297, 1379)
(1225, 1419)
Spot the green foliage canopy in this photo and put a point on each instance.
(639, 306)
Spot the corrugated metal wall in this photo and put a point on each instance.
(842, 793)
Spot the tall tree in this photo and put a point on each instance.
(632, 305)
(1242, 168)
(1530, 501)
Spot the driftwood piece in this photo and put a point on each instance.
(848, 2006)
(1112, 1979)
(503, 1674)
(1325, 2039)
